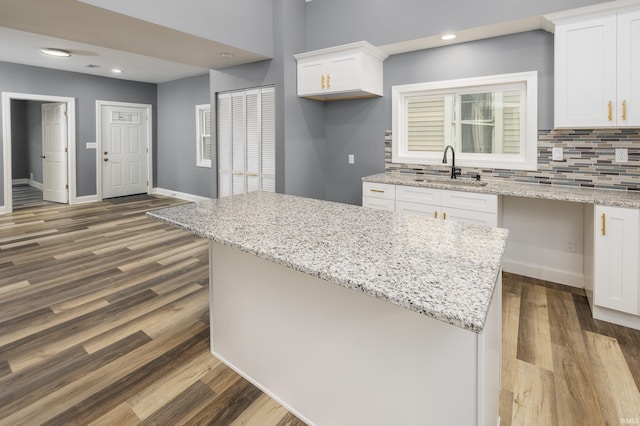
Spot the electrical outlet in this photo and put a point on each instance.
(622, 155)
(352, 159)
(556, 154)
(570, 245)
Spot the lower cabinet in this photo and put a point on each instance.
(459, 206)
(612, 270)
(616, 251)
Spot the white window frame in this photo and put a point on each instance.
(200, 110)
(527, 159)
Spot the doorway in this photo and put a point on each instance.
(124, 149)
(58, 148)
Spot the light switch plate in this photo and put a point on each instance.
(556, 154)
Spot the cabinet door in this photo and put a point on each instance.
(343, 74)
(484, 203)
(585, 73)
(616, 250)
(310, 76)
(418, 209)
(470, 217)
(629, 69)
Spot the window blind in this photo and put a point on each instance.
(426, 123)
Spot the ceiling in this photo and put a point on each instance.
(100, 39)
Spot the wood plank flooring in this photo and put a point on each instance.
(560, 366)
(25, 196)
(104, 321)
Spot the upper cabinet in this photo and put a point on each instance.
(343, 72)
(597, 70)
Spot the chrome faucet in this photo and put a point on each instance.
(455, 171)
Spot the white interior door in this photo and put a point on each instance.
(54, 152)
(125, 142)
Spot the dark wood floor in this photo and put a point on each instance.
(104, 320)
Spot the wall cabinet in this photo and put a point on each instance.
(466, 207)
(597, 71)
(616, 252)
(343, 72)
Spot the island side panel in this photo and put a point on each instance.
(490, 360)
(335, 356)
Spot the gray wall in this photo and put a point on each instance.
(34, 138)
(19, 141)
(357, 126)
(335, 22)
(176, 148)
(86, 89)
(300, 149)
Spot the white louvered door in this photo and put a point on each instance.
(246, 141)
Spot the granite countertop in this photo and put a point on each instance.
(606, 197)
(441, 269)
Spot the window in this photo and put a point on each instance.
(246, 141)
(492, 122)
(203, 135)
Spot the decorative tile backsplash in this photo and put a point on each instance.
(588, 160)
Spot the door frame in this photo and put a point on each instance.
(148, 108)
(7, 97)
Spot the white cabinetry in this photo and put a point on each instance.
(379, 196)
(612, 272)
(466, 207)
(616, 251)
(342, 72)
(597, 70)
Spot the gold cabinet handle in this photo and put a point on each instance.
(328, 81)
(610, 111)
(604, 224)
(377, 190)
(435, 215)
(252, 174)
(624, 110)
(237, 173)
(444, 216)
(322, 79)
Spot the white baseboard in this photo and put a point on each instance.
(84, 199)
(26, 181)
(178, 194)
(541, 273)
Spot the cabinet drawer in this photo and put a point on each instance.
(379, 203)
(379, 190)
(486, 203)
(418, 208)
(413, 194)
(471, 217)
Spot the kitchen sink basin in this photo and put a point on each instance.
(456, 182)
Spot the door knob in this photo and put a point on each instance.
(105, 153)
(106, 159)
(42, 156)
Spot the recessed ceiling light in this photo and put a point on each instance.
(448, 37)
(227, 55)
(55, 52)
(116, 71)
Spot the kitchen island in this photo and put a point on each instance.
(348, 315)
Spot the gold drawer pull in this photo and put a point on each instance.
(377, 190)
(624, 110)
(604, 224)
(610, 111)
(322, 79)
(328, 81)
(238, 173)
(435, 215)
(252, 174)
(444, 216)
